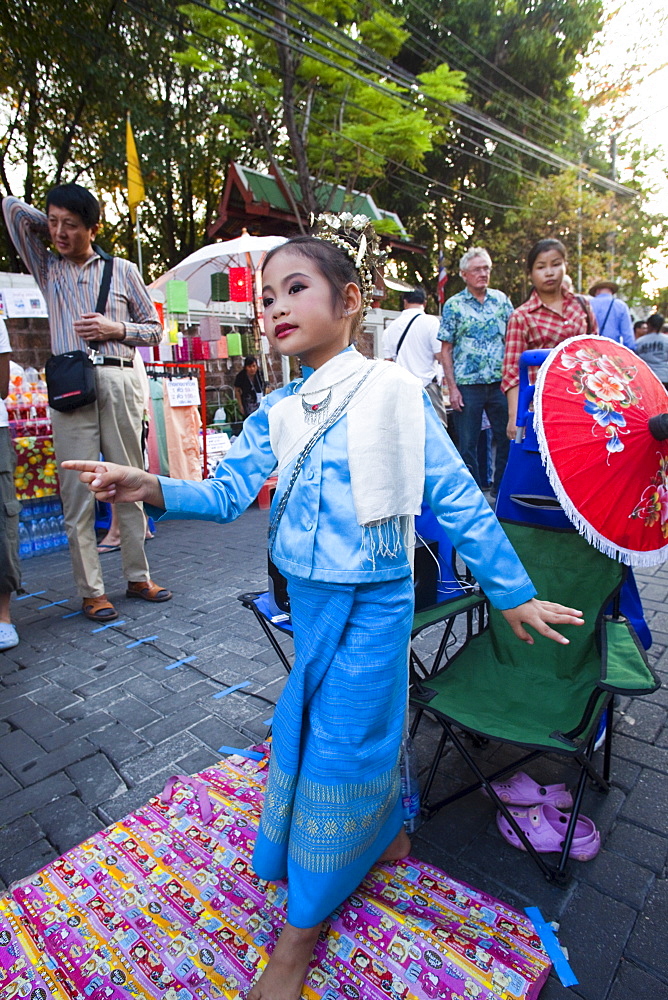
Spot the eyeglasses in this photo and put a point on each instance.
(478, 270)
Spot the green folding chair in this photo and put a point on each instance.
(544, 698)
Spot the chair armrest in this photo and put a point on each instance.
(624, 666)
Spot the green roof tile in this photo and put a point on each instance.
(265, 188)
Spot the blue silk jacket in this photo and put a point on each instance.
(319, 538)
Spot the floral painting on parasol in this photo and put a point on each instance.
(593, 404)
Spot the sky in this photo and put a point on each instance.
(630, 50)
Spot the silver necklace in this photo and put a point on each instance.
(315, 413)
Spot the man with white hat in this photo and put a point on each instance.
(612, 315)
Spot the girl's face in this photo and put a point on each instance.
(298, 314)
(548, 271)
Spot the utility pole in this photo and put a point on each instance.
(613, 235)
(579, 281)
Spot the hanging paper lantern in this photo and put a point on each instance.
(241, 284)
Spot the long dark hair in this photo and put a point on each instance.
(542, 246)
(333, 263)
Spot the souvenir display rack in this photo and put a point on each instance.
(179, 369)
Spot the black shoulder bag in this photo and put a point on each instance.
(581, 300)
(70, 377)
(602, 326)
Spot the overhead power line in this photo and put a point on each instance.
(481, 86)
(549, 109)
(426, 182)
(499, 133)
(396, 75)
(492, 125)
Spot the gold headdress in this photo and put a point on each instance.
(356, 236)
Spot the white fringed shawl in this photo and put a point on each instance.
(386, 435)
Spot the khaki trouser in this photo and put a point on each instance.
(10, 508)
(436, 396)
(111, 425)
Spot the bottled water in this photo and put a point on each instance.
(62, 532)
(25, 542)
(55, 533)
(51, 528)
(410, 788)
(43, 528)
(37, 538)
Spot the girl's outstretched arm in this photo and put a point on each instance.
(118, 483)
(537, 614)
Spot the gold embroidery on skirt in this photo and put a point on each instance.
(328, 826)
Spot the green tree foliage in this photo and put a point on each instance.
(318, 88)
(68, 75)
(519, 57)
(366, 95)
(613, 234)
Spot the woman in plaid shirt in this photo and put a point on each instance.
(549, 316)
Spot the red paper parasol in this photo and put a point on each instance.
(594, 399)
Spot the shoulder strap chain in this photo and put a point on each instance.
(306, 451)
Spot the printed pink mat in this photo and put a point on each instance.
(165, 904)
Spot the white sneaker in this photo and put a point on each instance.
(9, 637)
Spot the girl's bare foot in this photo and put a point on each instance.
(285, 971)
(398, 849)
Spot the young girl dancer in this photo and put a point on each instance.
(358, 446)
(550, 315)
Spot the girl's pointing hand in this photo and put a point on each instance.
(113, 483)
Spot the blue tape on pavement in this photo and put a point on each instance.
(73, 614)
(551, 945)
(109, 625)
(179, 663)
(229, 690)
(253, 754)
(268, 722)
(53, 604)
(138, 642)
(24, 597)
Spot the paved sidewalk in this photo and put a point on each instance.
(92, 722)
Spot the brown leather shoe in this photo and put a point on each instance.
(99, 609)
(148, 591)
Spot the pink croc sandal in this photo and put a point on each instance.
(521, 790)
(545, 828)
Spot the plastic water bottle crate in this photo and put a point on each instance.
(41, 527)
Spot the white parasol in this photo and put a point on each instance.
(196, 269)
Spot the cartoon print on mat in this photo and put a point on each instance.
(606, 385)
(112, 919)
(653, 503)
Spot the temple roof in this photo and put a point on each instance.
(260, 202)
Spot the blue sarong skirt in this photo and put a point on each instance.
(333, 803)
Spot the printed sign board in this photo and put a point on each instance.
(183, 392)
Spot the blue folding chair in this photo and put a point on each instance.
(455, 595)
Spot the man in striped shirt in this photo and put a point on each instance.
(70, 282)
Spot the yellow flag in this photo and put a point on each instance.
(135, 181)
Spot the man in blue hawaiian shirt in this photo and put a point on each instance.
(473, 331)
